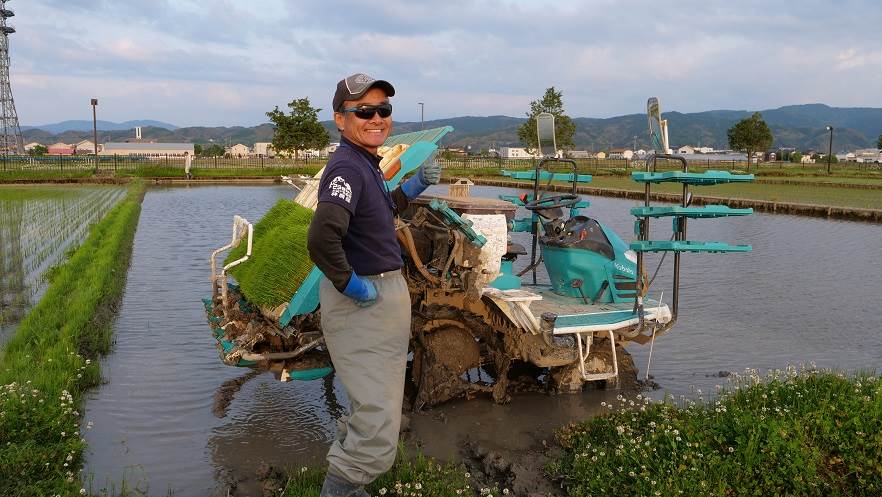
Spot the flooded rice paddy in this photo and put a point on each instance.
(38, 224)
(809, 292)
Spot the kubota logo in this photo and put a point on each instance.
(623, 268)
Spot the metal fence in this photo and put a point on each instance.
(582, 164)
(127, 163)
(172, 165)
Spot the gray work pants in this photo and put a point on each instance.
(368, 346)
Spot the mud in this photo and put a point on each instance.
(507, 445)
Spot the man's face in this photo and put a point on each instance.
(366, 133)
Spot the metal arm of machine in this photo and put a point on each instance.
(405, 238)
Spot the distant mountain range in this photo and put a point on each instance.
(799, 126)
(83, 125)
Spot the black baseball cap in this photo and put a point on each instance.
(353, 87)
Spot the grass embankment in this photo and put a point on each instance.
(796, 432)
(799, 194)
(411, 477)
(50, 361)
(805, 433)
(177, 172)
(838, 195)
(50, 175)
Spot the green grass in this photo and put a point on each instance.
(833, 180)
(19, 193)
(51, 360)
(279, 261)
(411, 477)
(177, 172)
(801, 194)
(797, 432)
(46, 175)
(838, 196)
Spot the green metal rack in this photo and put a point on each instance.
(687, 178)
(686, 246)
(707, 211)
(681, 213)
(548, 175)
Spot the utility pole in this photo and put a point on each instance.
(95, 131)
(422, 114)
(829, 148)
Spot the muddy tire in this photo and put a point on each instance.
(443, 354)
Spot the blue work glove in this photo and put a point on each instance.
(428, 174)
(361, 290)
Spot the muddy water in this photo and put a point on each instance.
(152, 420)
(808, 292)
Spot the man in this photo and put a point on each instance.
(365, 304)
(188, 161)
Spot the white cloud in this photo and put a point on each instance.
(225, 62)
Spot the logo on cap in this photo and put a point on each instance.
(358, 80)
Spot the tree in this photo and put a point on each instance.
(298, 130)
(823, 158)
(197, 149)
(879, 142)
(213, 150)
(795, 157)
(38, 150)
(750, 135)
(564, 127)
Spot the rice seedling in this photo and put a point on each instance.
(38, 226)
(50, 361)
(279, 261)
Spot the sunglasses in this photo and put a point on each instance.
(368, 111)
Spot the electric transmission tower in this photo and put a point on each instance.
(11, 141)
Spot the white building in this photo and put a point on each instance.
(686, 149)
(238, 151)
(330, 149)
(141, 149)
(264, 149)
(30, 146)
(85, 147)
(516, 153)
(868, 155)
(621, 153)
(579, 154)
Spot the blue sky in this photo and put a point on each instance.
(214, 63)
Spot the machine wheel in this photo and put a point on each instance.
(444, 351)
(462, 341)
